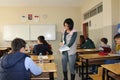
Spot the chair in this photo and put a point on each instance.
(97, 76)
(78, 67)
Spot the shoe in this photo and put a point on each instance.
(72, 76)
(65, 76)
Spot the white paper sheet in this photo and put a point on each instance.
(64, 48)
(114, 54)
(45, 57)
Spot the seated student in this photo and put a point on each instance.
(104, 47)
(42, 47)
(117, 41)
(17, 65)
(88, 44)
(117, 48)
(82, 40)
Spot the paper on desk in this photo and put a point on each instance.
(64, 48)
(45, 57)
(114, 54)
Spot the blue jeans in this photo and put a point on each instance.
(94, 69)
(71, 59)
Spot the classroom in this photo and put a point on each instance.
(94, 18)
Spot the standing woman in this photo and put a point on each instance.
(69, 38)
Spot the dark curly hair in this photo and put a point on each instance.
(105, 40)
(70, 23)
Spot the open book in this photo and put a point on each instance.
(64, 48)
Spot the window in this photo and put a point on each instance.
(87, 15)
(94, 11)
(100, 8)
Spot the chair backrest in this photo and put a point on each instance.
(100, 71)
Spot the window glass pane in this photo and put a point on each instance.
(100, 8)
(93, 12)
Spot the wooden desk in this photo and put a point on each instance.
(87, 50)
(50, 58)
(114, 68)
(49, 67)
(89, 58)
(3, 48)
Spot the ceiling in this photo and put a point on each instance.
(74, 3)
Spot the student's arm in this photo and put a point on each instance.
(73, 38)
(62, 41)
(29, 64)
(49, 51)
(83, 46)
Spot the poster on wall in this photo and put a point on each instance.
(36, 18)
(29, 16)
(23, 18)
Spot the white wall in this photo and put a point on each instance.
(55, 15)
(102, 23)
(95, 30)
(105, 23)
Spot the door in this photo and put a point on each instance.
(85, 30)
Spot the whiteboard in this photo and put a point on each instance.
(14, 31)
(29, 32)
(47, 30)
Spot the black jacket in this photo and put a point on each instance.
(41, 48)
(12, 67)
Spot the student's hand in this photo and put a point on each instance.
(112, 52)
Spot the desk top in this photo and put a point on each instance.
(97, 56)
(49, 57)
(115, 68)
(48, 67)
(3, 49)
(87, 50)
